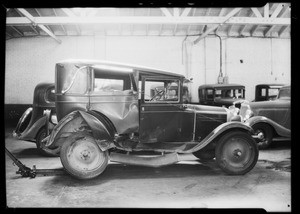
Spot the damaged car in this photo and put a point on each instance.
(109, 112)
(37, 121)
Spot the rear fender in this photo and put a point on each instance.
(80, 121)
(219, 131)
(282, 131)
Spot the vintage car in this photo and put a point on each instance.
(271, 120)
(33, 125)
(264, 92)
(99, 123)
(221, 94)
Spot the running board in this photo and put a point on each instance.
(152, 161)
(281, 139)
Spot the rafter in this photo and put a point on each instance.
(33, 28)
(231, 26)
(285, 10)
(32, 20)
(282, 30)
(166, 12)
(64, 30)
(72, 15)
(15, 29)
(266, 11)
(49, 28)
(189, 28)
(176, 12)
(277, 10)
(256, 12)
(186, 11)
(228, 16)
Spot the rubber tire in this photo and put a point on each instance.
(221, 145)
(41, 135)
(77, 173)
(268, 134)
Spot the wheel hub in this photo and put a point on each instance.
(237, 153)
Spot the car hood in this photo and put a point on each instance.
(268, 104)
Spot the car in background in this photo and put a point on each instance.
(264, 92)
(270, 119)
(107, 113)
(33, 125)
(221, 94)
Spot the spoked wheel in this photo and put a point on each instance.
(267, 135)
(82, 158)
(236, 153)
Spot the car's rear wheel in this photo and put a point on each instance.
(236, 153)
(81, 156)
(267, 135)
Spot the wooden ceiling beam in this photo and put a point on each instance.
(147, 20)
(32, 20)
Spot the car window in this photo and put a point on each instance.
(108, 85)
(209, 94)
(218, 93)
(77, 82)
(284, 94)
(161, 91)
(273, 92)
(263, 92)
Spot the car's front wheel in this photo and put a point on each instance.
(266, 135)
(236, 153)
(81, 156)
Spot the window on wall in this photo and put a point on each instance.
(161, 90)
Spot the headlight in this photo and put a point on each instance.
(232, 113)
(246, 112)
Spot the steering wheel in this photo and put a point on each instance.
(158, 93)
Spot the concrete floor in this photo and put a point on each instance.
(188, 184)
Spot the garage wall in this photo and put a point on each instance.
(247, 61)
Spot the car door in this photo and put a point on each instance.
(160, 110)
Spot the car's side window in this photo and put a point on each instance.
(102, 85)
(161, 90)
(209, 94)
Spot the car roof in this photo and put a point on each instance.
(143, 69)
(221, 86)
(269, 85)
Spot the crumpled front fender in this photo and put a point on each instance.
(78, 121)
(282, 131)
(225, 127)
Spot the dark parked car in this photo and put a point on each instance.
(264, 92)
(33, 125)
(221, 94)
(270, 119)
(98, 123)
